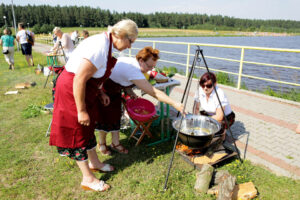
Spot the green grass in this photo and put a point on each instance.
(31, 169)
(292, 94)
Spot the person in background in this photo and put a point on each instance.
(65, 40)
(25, 46)
(85, 34)
(76, 93)
(127, 73)
(8, 41)
(206, 97)
(54, 38)
(74, 37)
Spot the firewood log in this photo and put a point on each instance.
(203, 178)
(226, 183)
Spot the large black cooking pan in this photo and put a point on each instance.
(196, 131)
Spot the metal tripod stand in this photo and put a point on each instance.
(184, 100)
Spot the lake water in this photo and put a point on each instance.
(281, 58)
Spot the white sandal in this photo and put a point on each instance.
(99, 187)
(104, 169)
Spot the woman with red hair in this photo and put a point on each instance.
(127, 73)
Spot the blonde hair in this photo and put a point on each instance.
(125, 28)
(56, 29)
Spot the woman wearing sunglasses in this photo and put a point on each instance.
(206, 97)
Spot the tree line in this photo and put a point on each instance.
(74, 16)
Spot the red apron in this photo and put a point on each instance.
(109, 119)
(66, 132)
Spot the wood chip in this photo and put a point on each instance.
(244, 191)
(22, 85)
(11, 92)
(206, 160)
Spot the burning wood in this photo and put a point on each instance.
(186, 150)
(199, 157)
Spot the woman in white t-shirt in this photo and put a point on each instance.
(206, 97)
(26, 47)
(76, 93)
(127, 72)
(65, 40)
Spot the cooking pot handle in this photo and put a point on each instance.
(220, 133)
(217, 135)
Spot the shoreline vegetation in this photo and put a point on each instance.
(160, 32)
(169, 32)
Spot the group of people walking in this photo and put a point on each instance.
(8, 42)
(24, 37)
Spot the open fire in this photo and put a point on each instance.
(212, 155)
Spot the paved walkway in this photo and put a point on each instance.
(264, 126)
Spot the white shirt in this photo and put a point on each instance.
(74, 36)
(211, 105)
(22, 36)
(125, 70)
(95, 49)
(67, 43)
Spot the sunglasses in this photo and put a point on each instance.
(208, 86)
(149, 67)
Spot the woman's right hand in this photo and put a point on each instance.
(83, 118)
(179, 106)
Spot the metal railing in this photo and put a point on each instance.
(241, 61)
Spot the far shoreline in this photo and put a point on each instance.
(164, 32)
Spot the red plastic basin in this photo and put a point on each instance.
(140, 109)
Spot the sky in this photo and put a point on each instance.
(246, 9)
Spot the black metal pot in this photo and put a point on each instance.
(196, 131)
